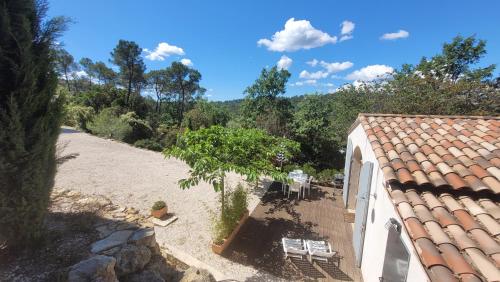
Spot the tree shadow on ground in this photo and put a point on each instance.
(333, 270)
(258, 242)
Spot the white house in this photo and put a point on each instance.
(425, 192)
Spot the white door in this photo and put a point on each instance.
(363, 199)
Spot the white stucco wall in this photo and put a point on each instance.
(380, 210)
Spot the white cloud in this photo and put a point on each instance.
(162, 51)
(370, 73)
(313, 75)
(313, 62)
(346, 30)
(335, 66)
(297, 35)
(395, 35)
(186, 62)
(284, 63)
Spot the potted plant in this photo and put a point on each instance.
(159, 209)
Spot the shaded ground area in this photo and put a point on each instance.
(319, 217)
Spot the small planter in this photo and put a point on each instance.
(219, 249)
(159, 213)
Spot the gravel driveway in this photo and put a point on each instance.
(137, 178)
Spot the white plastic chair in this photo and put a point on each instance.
(294, 248)
(319, 250)
(307, 185)
(295, 187)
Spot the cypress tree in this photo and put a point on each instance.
(30, 118)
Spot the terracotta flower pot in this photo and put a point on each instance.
(159, 213)
(219, 249)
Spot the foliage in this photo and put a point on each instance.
(140, 128)
(65, 65)
(158, 205)
(30, 119)
(78, 116)
(107, 124)
(149, 144)
(127, 56)
(169, 135)
(205, 114)
(213, 152)
(184, 82)
(236, 204)
(263, 108)
(326, 176)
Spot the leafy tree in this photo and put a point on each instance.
(156, 80)
(89, 67)
(213, 152)
(30, 118)
(456, 60)
(127, 56)
(263, 107)
(185, 83)
(105, 74)
(313, 129)
(205, 114)
(65, 65)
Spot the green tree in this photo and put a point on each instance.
(184, 82)
(105, 74)
(65, 65)
(213, 152)
(30, 118)
(205, 114)
(127, 56)
(157, 82)
(263, 106)
(89, 67)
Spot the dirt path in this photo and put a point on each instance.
(137, 178)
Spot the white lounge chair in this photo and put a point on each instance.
(295, 187)
(319, 250)
(294, 248)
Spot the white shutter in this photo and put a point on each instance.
(362, 203)
(347, 168)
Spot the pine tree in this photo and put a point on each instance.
(30, 118)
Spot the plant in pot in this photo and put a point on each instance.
(213, 152)
(159, 209)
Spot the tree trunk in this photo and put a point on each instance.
(67, 80)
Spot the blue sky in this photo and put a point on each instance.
(229, 42)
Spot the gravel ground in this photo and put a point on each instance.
(137, 178)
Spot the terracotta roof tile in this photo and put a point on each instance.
(444, 177)
(429, 253)
(485, 266)
(455, 260)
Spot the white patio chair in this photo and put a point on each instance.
(307, 185)
(319, 250)
(294, 248)
(298, 171)
(283, 187)
(295, 187)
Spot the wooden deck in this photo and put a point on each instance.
(319, 217)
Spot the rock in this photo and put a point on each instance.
(126, 225)
(105, 230)
(115, 239)
(146, 275)
(194, 274)
(144, 237)
(112, 251)
(131, 258)
(98, 268)
(160, 266)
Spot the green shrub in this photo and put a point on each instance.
(309, 170)
(158, 205)
(149, 144)
(78, 116)
(140, 128)
(107, 124)
(326, 176)
(236, 204)
(169, 135)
